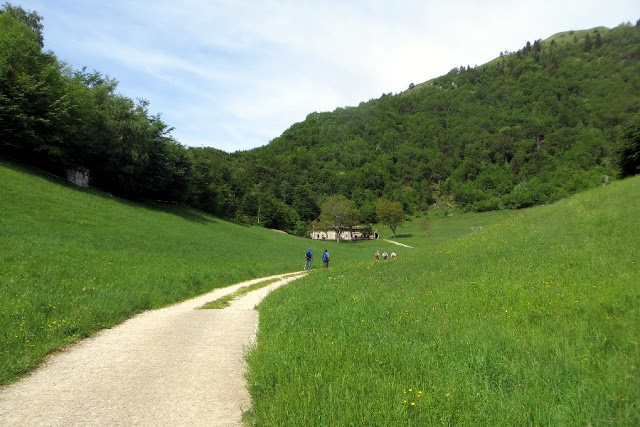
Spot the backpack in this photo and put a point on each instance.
(325, 256)
(308, 255)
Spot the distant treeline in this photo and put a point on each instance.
(530, 127)
(58, 118)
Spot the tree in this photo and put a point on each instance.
(277, 214)
(31, 19)
(587, 43)
(338, 213)
(424, 225)
(390, 214)
(33, 104)
(599, 41)
(304, 202)
(629, 148)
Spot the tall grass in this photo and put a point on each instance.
(443, 229)
(73, 262)
(534, 321)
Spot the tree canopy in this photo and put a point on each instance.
(339, 213)
(532, 126)
(390, 214)
(629, 150)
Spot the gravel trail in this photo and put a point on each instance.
(177, 366)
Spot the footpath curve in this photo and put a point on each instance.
(173, 366)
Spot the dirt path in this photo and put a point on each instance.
(398, 243)
(169, 367)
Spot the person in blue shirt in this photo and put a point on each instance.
(325, 258)
(309, 257)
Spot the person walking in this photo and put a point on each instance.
(309, 257)
(385, 255)
(325, 258)
(377, 255)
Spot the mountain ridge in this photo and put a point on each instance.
(529, 127)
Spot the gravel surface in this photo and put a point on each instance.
(176, 366)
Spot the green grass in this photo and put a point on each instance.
(530, 320)
(76, 261)
(533, 321)
(226, 300)
(443, 229)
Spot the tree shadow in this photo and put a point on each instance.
(177, 209)
(182, 211)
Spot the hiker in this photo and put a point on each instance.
(377, 255)
(325, 258)
(393, 255)
(385, 255)
(309, 257)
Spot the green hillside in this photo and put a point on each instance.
(531, 127)
(528, 128)
(532, 321)
(76, 261)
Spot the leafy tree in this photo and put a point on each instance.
(338, 213)
(33, 103)
(424, 225)
(629, 148)
(527, 128)
(31, 19)
(277, 214)
(390, 214)
(599, 41)
(304, 202)
(588, 44)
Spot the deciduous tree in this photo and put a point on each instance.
(629, 148)
(390, 214)
(29, 18)
(339, 213)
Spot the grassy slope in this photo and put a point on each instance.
(74, 261)
(532, 321)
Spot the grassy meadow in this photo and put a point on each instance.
(76, 261)
(532, 321)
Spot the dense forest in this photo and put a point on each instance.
(531, 127)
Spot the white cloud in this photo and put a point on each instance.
(235, 74)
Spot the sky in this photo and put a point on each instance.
(235, 74)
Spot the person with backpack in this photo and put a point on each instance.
(309, 257)
(325, 258)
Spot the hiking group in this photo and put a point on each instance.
(309, 258)
(384, 256)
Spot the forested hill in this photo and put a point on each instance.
(530, 127)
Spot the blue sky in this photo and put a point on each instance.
(235, 74)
